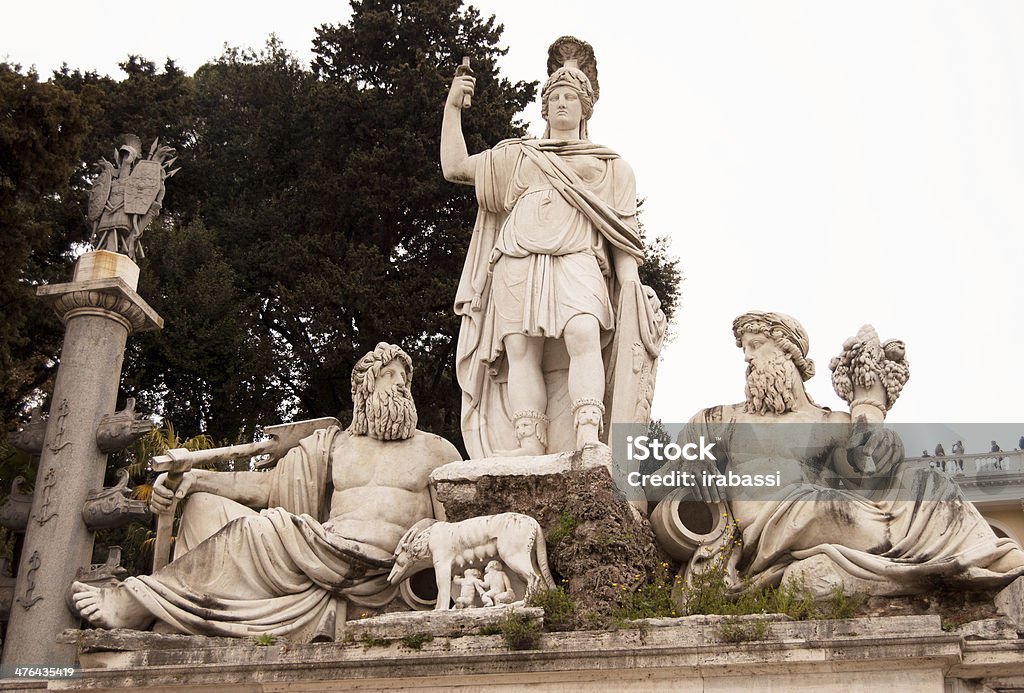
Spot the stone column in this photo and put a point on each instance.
(99, 309)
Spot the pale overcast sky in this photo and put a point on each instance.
(844, 162)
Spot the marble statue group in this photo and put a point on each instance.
(331, 515)
(830, 525)
(559, 339)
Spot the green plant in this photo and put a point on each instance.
(841, 606)
(790, 598)
(520, 632)
(734, 629)
(567, 523)
(490, 630)
(369, 641)
(559, 608)
(708, 593)
(416, 641)
(265, 640)
(649, 600)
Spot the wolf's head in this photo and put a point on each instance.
(413, 551)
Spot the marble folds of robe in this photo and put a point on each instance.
(928, 533)
(539, 255)
(282, 571)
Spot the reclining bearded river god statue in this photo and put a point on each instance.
(335, 508)
(846, 513)
(558, 336)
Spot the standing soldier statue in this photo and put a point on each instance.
(128, 196)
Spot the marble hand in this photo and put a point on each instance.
(163, 498)
(462, 86)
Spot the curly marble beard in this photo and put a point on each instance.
(390, 413)
(769, 386)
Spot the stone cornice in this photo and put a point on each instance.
(110, 297)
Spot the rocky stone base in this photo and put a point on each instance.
(597, 543)
(697, 653)
(1009, 603)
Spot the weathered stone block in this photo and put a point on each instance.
(597, 543)
(103, 264)
(988, 629)
(450, 623)
(1010, 603)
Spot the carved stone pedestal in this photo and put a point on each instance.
(99, 311)
(597, 544)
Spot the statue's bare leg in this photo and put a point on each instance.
(586, 377)
(110, 607)
(527, 394)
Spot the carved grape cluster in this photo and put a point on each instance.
(865, 361)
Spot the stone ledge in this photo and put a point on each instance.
(986, 658)
(124, 640)
(452, 623)
(988, 629)
(590, 457)
(679, 654)
(111, 296)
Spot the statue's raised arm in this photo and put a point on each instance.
(455, 162)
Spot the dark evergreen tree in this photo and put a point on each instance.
(42, 129)
(310, 219)
(321, 191)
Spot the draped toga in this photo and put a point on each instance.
(283, 571)
(549, 213)
(926, 531)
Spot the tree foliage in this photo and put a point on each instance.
(309, 222)
(319, 189)
(42, 129)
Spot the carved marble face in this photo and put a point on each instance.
(525, 428)
(393, 373)
(759, 347)
(390, 409)
(565, 111)
(771, 375)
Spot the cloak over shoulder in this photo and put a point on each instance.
(608, 203)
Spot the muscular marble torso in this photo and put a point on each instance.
(380, 488)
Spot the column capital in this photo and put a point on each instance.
(110, 297)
